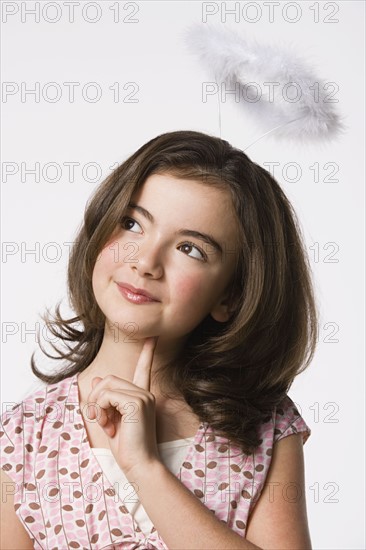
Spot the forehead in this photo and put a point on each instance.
(177, 203)
(186, 199)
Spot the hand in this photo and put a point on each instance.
(126, 412)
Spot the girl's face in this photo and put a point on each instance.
(152, 250)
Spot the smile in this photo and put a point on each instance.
(135, 298)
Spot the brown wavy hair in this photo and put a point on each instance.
(232, 374)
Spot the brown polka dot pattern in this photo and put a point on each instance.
(64, 500)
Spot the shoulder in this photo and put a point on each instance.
(278, 512)
(23, 425)
(284, 421)
(274, 432)
(279, 517)
(288, 421)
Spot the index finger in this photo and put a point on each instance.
(141, 376)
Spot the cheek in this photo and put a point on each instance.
(189, 288)
(103, 267)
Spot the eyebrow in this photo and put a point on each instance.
(188, 232)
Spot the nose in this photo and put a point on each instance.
(148, 259)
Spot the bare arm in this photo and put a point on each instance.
(279, 519)
(13, 536)
(184, 522)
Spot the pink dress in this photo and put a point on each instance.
(64, 500)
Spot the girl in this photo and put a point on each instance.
(170, 427)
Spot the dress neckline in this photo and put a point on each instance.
(175, 443)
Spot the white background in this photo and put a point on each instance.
(151, 53)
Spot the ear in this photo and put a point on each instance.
(222, 311)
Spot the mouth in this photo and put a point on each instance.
(136, 295)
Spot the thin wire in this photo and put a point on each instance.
(219, 105)
(269, 131)
(260, 137)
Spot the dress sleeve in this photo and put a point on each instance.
(289, 421)
(12, 442)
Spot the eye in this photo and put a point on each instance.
(126, 219)
(202, 257)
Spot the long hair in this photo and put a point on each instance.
(232, 374)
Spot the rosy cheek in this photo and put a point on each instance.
(189, 287)
(108, 257)
(103, 267)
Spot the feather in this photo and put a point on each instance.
(274, 85)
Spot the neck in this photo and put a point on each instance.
(119, 353)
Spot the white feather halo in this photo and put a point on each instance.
(274, 85)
